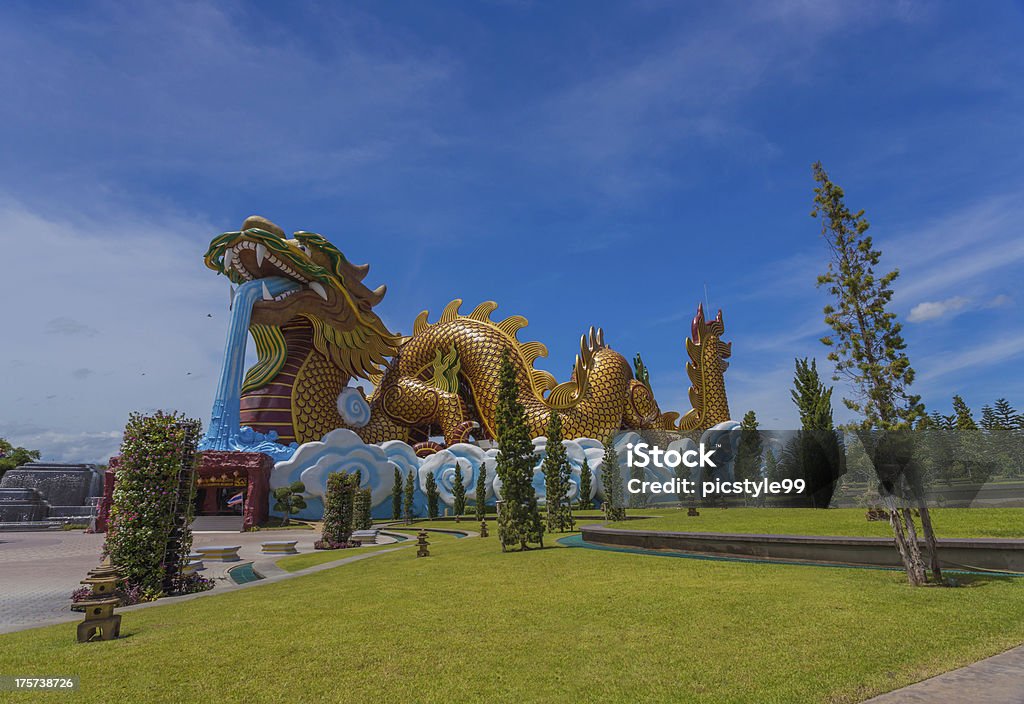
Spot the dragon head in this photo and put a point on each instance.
(329, 294)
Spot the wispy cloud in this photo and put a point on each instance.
(980, 354)
(930, 310)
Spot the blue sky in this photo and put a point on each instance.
(581, 164)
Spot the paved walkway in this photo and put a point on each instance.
(39, 570)
(995, 680)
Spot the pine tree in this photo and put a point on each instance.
(557, 472)
(964, 418)
(611, 480)
(586, 485)
(519, 520)
(458, 492)
(748, 452)
(988, 418)
(481, 494)
(1006, 416)
(868, 349)
(396, 495)
(410, 489)
(433, 496)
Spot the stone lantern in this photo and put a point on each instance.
(100, 618)
(483, 528)
(421, 545)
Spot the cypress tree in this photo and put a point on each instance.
(481, 493)
(586, 485)
(432, 496)
(458, 492)
(557, 472)
(519, 521)
(396, 495)
(410, 488)
(611, 479)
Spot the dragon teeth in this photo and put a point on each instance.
(319, 288)
(261, 252)
(266, 293)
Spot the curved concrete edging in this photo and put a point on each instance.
(271, 575)
(1001, 555)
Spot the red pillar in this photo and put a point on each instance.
(103, 507)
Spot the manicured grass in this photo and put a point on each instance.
(276, 524)
(948, 522)
(472, 624)
(294, 563)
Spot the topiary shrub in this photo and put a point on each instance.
(289, 500)
(338, 508)
(362, 506)
(149, 537)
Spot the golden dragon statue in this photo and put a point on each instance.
(321, 332)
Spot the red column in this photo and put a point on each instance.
(103, 507)
(257, 498)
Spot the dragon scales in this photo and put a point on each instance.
(318, 334)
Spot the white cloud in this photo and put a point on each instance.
(112, 317)
(930, 310)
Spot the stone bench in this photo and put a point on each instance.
(220, 553)
(279, 547)
(192, 567)
(366, 537)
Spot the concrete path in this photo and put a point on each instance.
(995, 680)
(39, 570)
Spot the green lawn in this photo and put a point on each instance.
(472, 624)
(294, 563)
(948, 522)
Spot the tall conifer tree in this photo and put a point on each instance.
(611, 480)
(481, 493)
(868, 350)
(458, 491)
(586, 485)
(557, 472)
(396, 495)
(519, 521)
(410, 489)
